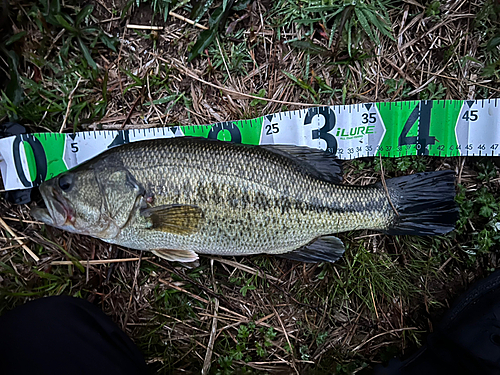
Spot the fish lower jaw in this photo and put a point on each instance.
(42, 214)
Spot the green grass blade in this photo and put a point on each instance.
(309, 46)
(62, 21)
(14, 38)
(379, 22)
(84, 13)
(14, 91)
(365, 25)
(204, 40)
(86, 54)
(199, 9)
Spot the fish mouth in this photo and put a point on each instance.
(58, 212)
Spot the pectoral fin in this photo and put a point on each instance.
(176, 218)
(183, 256)
(324, 249)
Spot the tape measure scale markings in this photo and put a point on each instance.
(241, 131)
(392, 129)
(427, 129)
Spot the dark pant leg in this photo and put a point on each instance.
(65, 335)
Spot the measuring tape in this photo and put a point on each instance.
(393, 129)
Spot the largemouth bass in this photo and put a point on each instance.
(182, 197)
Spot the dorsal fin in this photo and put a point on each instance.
(319, 163)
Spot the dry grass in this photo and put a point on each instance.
(260, 314)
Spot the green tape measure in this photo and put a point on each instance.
(392, 129)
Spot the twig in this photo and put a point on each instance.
(119, 58)
(462, 79)
(182, 18)
(132, 292)
(87, 271)
(382, 334)
(133, 107)
(26, 248)
(54, 41)
(198, 298)
(22, 221)
(69, 105)
(210, 347)
(246, 269)
(229, 91)
(462, 163)
(287, 339)
(110, 20)
(225, 89)
(144, 27)
(224, 60)
(91, 262)
(183, 322)
(385, 187)
(13, 238)
(403, 74)
(152, 101)
(374, 304)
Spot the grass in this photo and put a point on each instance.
(79, 66)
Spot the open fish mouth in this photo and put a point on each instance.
(42, 214)
(58, 213)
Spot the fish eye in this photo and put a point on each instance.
(65, 182)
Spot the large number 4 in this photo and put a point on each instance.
(422, 113)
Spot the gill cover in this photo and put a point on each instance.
(120, 191)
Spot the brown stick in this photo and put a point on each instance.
(210, 347)
(71, 94)
(26, 248)
(287, 339)
(229, 91)
(173, 286)
(100, 261)
(133, 107)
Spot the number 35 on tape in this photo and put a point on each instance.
(389, 129)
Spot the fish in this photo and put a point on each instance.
(181, 197)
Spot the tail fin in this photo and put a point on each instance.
(425, 203)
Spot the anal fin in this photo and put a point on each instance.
(183, 256)
(323, 249)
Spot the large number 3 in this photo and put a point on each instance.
(324, 132)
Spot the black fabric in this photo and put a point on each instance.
(65, 335)
(466, 342)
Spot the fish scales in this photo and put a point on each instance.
(253, 200)
(188, 196)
